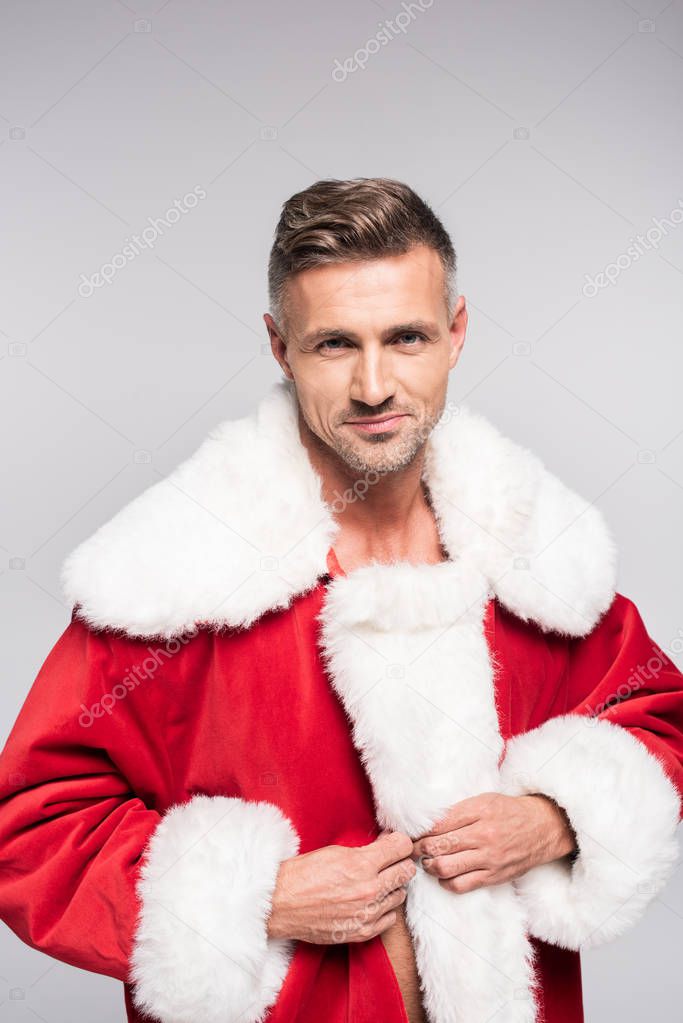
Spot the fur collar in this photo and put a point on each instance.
(240, 528)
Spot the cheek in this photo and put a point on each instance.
(320, 421)
(424, 382)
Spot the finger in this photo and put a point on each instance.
(392, 900)
(397, 874)
(366, 913)
(466, 811)
(452, 866)
(468, 882)
(467, 837)
(389, 848)
(370, 928)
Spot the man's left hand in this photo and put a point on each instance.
(492, 838)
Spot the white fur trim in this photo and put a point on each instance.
(240, 528)
(237, 529)
(201, 949)
(407, 654)
(547, 552)
(625, 812)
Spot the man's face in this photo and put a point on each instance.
(368, 340)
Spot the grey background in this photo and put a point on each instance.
(545, 134)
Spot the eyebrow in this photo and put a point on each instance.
(398, 328)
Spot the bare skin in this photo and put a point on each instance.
(492, 838)
(339, 894)
(389, 345)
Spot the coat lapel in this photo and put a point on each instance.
(406, 651)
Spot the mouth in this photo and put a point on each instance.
(381, 424)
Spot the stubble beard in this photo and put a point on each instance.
(380, 454)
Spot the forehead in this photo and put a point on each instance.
(390, 281)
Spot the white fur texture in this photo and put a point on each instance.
(240, 528)
(407, 654)
(201, 948)
(625, 811)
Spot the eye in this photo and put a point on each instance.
(413, 333)
(335, 344)
(331, 340)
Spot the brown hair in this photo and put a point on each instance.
(336, 221)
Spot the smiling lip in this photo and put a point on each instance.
(380, 425)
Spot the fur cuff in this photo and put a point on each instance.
(624, 810)
(201, 950)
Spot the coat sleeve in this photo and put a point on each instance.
(614, 763)
(173, 902)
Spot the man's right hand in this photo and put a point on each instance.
(337, 894)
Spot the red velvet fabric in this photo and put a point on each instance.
(250, 713)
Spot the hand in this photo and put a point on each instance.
(338, 894)
(492, 838)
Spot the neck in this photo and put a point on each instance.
(387, 514)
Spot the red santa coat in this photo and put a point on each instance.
(225, 697)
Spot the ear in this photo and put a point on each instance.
(457, 330)
(278, 345)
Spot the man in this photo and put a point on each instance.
(349, 722)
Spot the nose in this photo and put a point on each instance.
(373, 380)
